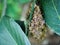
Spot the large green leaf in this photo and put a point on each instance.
(11, 33)
(51, 10)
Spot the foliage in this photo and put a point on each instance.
(51, 10)
(12, 8)
(24, 1)
(10, 32)
(2, 8)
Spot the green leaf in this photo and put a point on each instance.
(11, 33)
(51, 10)
(14, 11)
(24, 1)
(2, 8)
(14, 8)
(19, 1)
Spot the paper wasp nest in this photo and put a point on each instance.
(37, 24)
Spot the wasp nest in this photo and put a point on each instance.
(37, 24)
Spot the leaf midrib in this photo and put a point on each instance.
(55, 9)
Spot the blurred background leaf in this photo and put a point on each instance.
(14, 8)
(2, 8)
(24, 1)
(19, 1)
(14, 11)
(51, 10)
